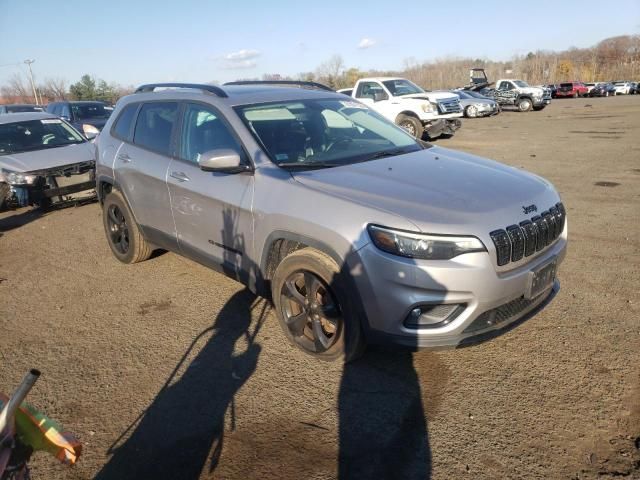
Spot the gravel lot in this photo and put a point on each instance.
(168, 370)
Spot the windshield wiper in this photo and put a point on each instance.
(306, 165)
(387, 153)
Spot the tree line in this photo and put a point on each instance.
(19, 90)
(615, 58)
(612, 59)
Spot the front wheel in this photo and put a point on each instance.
(411, 125)
(314, 307)
(123, 233)
(524, 105)
(471, 111)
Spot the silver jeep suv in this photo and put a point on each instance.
(357, 232)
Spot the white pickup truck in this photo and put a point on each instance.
(409, 106)
(509, 91)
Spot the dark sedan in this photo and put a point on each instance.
(603, 90)
(87, 117)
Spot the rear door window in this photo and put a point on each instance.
(155, 126)
(122, 128)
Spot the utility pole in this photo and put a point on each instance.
(33, 85)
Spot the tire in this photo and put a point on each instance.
(471, 112)
(411, 125)
(123, 233)
(323, 323)
(5, 191)
(524, 104)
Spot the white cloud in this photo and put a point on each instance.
(240, 65)
(366, 43)
(242, 55)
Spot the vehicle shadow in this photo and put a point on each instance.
(183, 429)
(20, 218)
(383, 432)
(181, 434)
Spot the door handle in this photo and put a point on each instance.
(124, 157)
(180, 176)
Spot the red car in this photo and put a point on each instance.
(572, 89)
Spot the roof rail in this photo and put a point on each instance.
(150, 87)
(284, 83)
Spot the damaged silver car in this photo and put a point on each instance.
(44, 161)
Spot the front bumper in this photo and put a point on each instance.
(442, 126)
(54, 185)
(390, 287)
(541, 102)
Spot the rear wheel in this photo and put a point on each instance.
(314, 308)
(5, 192)
(411, 125)
(123, 233)
(524, 104)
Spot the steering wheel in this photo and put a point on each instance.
(338, 141)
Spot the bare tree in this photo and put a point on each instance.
(54, 89)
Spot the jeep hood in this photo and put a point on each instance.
(48, 158)
(438, 190)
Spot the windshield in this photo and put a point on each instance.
(521, 84)
(401, 87)
(90, 110)
(324, 133)
(32, 135)
(477, 95)
(463, 95)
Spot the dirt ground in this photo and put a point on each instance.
(168, 370)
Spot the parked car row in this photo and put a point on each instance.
(594, 89)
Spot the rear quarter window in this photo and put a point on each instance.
(122, 128)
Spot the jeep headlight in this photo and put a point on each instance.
(16, 178)
(419, 245)
(428, 107)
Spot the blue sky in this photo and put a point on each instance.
(133, 42)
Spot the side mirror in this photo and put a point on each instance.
(91, 135)
(225, 160)
(378, 96)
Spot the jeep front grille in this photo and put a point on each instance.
(449, 106)
(530, 236)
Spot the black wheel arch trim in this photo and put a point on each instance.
(264, 282)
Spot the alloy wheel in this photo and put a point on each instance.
(408, 126)
(310, 311)
(118, 229)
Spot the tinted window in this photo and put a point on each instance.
(122, 128)
(22, 108)
(368, 90)
(203, 130)
(154, 126)
(86, 111)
